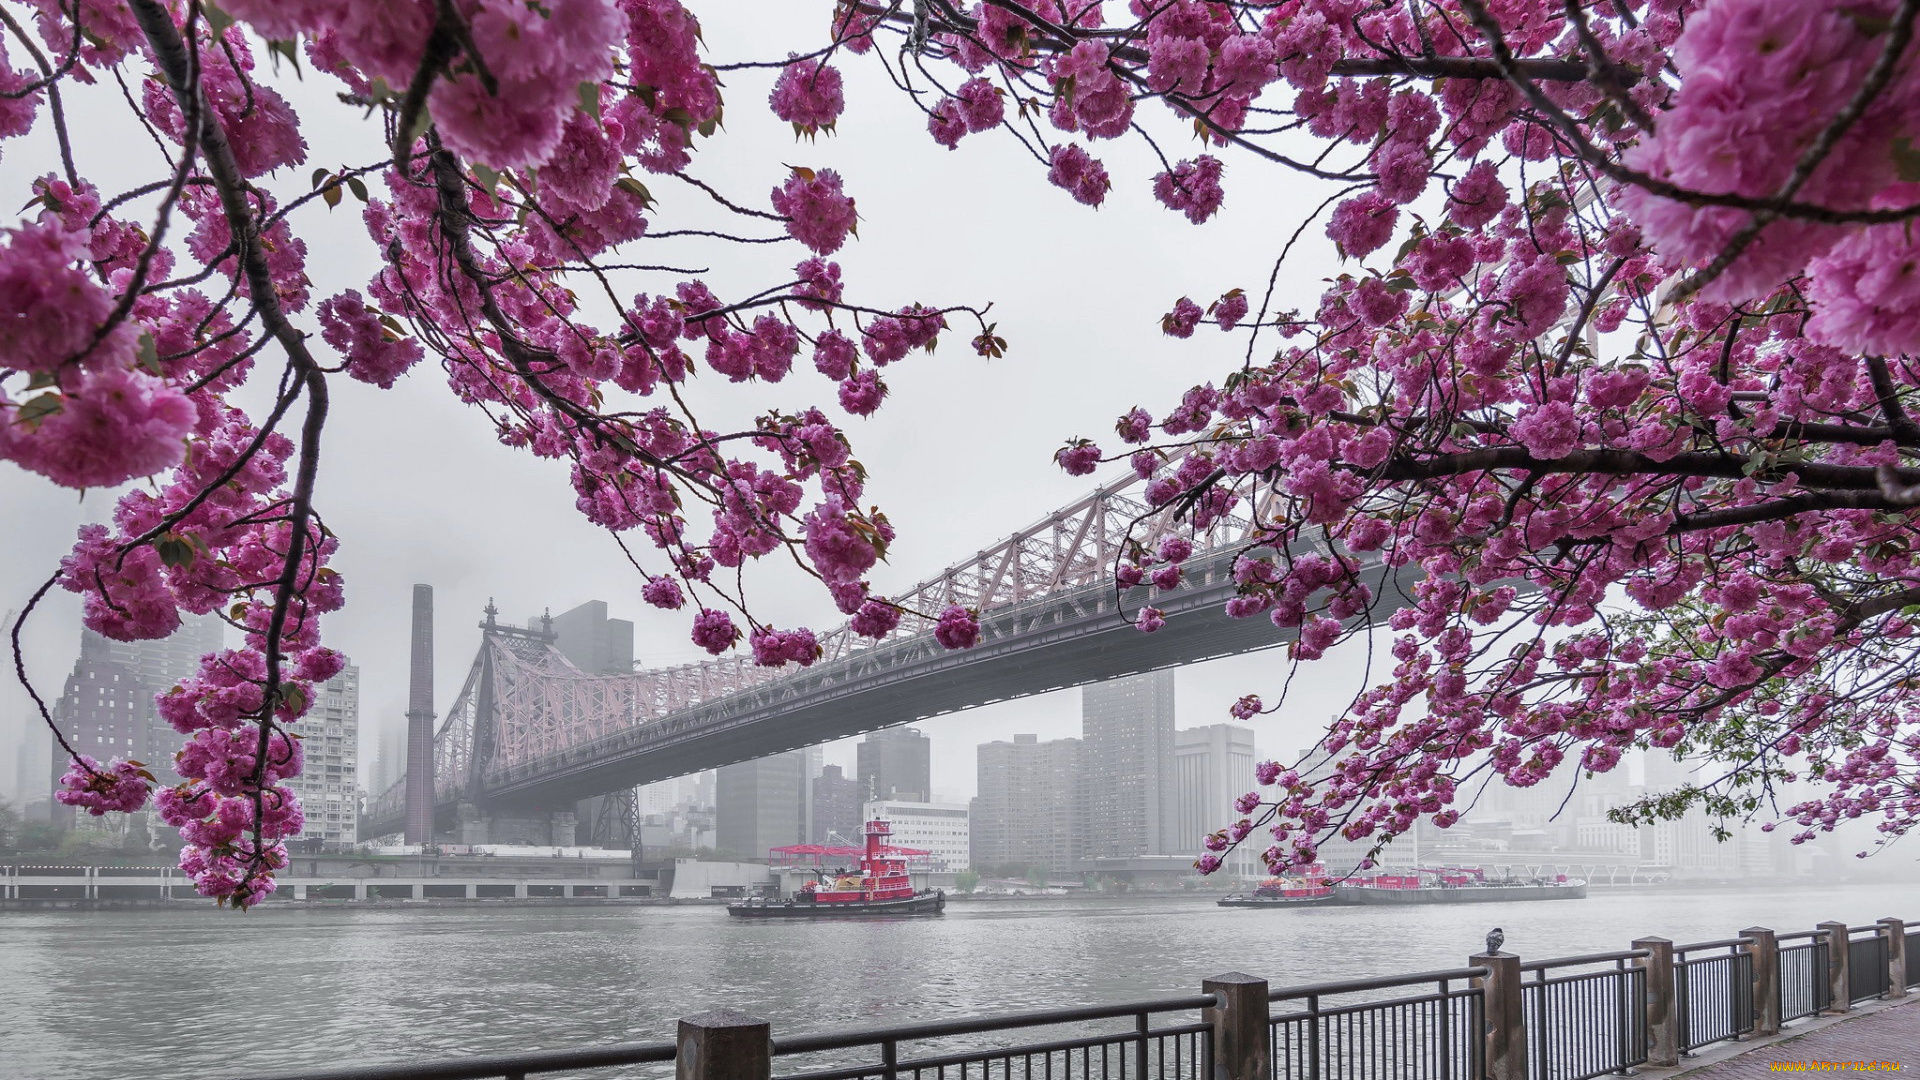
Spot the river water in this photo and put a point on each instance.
(196, 992)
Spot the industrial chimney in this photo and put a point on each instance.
(420, 721)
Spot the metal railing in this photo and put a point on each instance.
(1802, 976)
(502, 1066)
(1431, 1035)
(1713, 994)
(1583, 1024)
(1143, 1052)
(1866, 964)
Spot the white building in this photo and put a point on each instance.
(941, 828)
(328, 785)
(1213, 766)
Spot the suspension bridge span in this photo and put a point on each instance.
(529, 730)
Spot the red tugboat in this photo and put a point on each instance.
(880, 887)
(1309, 887)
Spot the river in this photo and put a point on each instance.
(193, 992)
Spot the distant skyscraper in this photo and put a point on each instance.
(158, 666)
(329, 782)
(1128, 760)
(1027, 812)
(1212, 767)
(596, 644)
(836, 806)
(758, 804)
(102, 711)
(895, 763)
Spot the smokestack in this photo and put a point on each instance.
(420, 721)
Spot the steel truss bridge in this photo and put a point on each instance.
(530, 731)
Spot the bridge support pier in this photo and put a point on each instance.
(531, 828)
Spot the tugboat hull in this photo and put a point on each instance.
(1463, 894)
(926, 903)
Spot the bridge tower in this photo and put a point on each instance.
(420, 721)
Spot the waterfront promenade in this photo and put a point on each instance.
(1883, 1037)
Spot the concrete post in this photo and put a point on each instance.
(1896, 932)
(1241, 1050)
(520, 890)
(1663, 1023)
(724, 1045)
(1506, 1020)
(360, 890)
(472, 891)
(1764, 948)
(1837, 981)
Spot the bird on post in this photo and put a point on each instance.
(1494, 940)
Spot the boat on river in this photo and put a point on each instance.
(1308, 888)
(880, 886)
(1454, 885)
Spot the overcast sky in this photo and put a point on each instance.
(419, 491)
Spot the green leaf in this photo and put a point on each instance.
(319, 177)
(175, 551)
(294, 696)
(34, 410)
(279, 47)
(217, 20)
(147, 354)
(358, 187)
(590, 99)
(635, 188)
(1906, 159)
(488, 178)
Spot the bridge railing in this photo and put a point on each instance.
(1567, 1018)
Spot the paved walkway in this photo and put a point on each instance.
(1885, 1039)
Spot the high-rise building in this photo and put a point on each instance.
(596, 644)
(1127, 725)
(895, 763)
(836, 806)
(1028, 810)
(158, 666)
(329, 782)
(939, 828)
(103, 713)
(35, 757)
(758, 804)
(1212, 766)
(810, 764)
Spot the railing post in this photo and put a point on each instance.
(1764, 948)
(1663, 1023)
(1506, 1057)
(723, 1045)
(1241, 1046)
(1838, 955)
(1896, 934)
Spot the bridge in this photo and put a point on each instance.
(529, 731)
